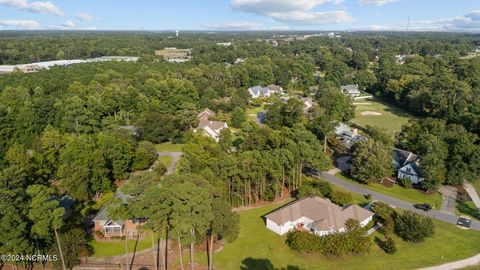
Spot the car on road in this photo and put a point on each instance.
(464, 222)
(423, 206)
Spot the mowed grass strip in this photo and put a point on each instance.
(258, 247)
(391, 119)
(169, 147)
(399, 192)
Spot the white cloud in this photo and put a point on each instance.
(305, 17)
(376, 2)
(68, 24)
(35, 7)
(294, 11)
(233, 26)
(20, 24)
(85, 16)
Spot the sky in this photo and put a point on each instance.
(233, 15)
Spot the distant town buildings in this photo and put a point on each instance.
(34, 67)
(174, 55)
(210, 128)
(225, 44)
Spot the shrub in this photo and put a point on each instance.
(340, 197)
(160, 169)
(368, 196)
(303, 242)
(99, 234)
(388, 245)
(413, 227)
(406, 183)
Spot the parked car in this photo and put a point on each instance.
(423, 206)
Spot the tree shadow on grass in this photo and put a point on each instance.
(263, 264)
(462, 207)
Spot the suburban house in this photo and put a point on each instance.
(210, 128)
(407, 165)
(117, 228)
(347, 136)
(259, 91)
(351, 90)
(317, 215)
(174, 55)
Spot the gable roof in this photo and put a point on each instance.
(274, 87)
(324, 214)
(403, 157)
(103, 215)
(207, 112)
(258, 90)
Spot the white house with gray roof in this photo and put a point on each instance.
(407, 165)
(317, 215)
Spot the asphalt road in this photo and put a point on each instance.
(442, 216)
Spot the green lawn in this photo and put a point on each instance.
(169, 147)
(258, 248)
(105, 249)
(391, 118)
(253, 111)
(397, 191)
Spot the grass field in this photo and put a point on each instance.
(258, 248)
(391, 118)
(409, 195)
(252, 112)
(105, 249)
(169, 147)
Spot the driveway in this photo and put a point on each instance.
(439, 215)
(472, 193)
(449, 199)
(175, 158)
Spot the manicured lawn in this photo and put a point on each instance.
(409, 195)
(105, 249)
(468, 208)
(169, 147)
(258, 248)
(476, 185)
(391, 118)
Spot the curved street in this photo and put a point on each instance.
(442, 216)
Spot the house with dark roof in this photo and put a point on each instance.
(407, 165)
(317, 215)
(117, 227)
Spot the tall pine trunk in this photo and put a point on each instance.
(192, 249)
(126, 253)
(181, 253)
(60, 249)
(210, 253)
(154, 251)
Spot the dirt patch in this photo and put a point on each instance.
(370, 113)
(388, 183)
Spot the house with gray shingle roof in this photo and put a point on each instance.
(117, 228)
(319, 216)
(209, 127)
(407, 165)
